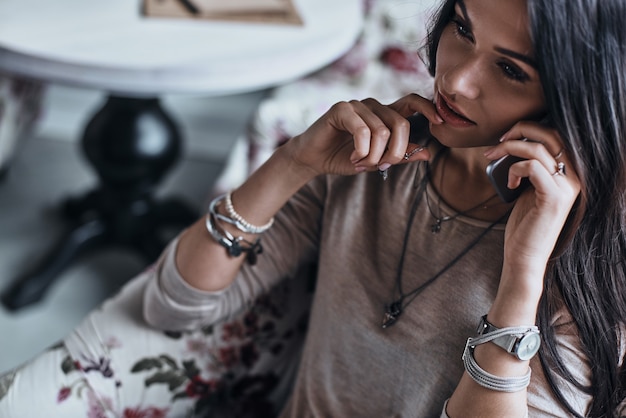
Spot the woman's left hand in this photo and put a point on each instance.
(541, 211)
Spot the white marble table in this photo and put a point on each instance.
(131, 142)
(109, 45)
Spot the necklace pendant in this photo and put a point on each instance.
(392, 312)
(436, 227)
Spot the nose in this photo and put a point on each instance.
(463, 79)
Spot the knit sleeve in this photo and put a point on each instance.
(542, 401)
(293, 241)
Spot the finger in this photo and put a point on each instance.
(344, 117)
(526, 149)
(414, 103)
(532, 140)
(536, 132)
(550, 178)
(522, 169)
(549, 186)
(386, 142)
(389, 143)
(371, 145)
(399, 130)
(416, 152)
(398, 150)
(401, 151)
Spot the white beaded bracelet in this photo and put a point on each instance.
(240, 222)
(488, 380)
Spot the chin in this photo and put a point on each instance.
(460, 138)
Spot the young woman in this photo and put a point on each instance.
(414, 248)
(433, 296)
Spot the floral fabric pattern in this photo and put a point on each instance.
(114, 365)
(220, 377)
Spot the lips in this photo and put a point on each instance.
(450, 115)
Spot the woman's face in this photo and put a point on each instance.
(485, 78)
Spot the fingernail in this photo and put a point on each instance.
(360, 169)
(488, 152)
(438, 118)
(384, 166)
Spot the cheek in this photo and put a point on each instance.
(449, 52)
(516, 106)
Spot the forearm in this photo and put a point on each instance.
(515, 305)
(204, 263)
(472, 400)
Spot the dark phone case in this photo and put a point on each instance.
(498, 173)
(419, 125)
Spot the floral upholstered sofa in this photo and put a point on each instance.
(114, 365)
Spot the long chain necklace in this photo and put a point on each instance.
(394, 309)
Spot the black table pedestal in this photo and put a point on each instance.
(132, 143)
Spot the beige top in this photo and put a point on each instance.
(354, 227)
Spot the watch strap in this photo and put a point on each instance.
(521, 342)
(507, 342)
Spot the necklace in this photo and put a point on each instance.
(436, 226)
(394, 309)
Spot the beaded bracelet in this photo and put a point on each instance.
(250, 229)
(239, 221)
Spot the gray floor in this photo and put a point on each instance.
(49, 167)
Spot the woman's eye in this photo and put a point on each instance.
(513, 72)
(462, 30)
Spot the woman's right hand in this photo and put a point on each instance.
(356, 136)
(350, 138)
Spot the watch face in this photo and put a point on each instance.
(528, 346)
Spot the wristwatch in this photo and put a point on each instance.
(523, 346)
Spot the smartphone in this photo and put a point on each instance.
(498, 173)
(419, 125)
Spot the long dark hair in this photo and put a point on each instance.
(580, 48)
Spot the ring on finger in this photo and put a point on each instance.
(560, 169)
(408, 155)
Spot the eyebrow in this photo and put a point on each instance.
(524, 58)
(461, 4)
(517, 55)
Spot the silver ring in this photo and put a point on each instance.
(408, 155)
(560, 169)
